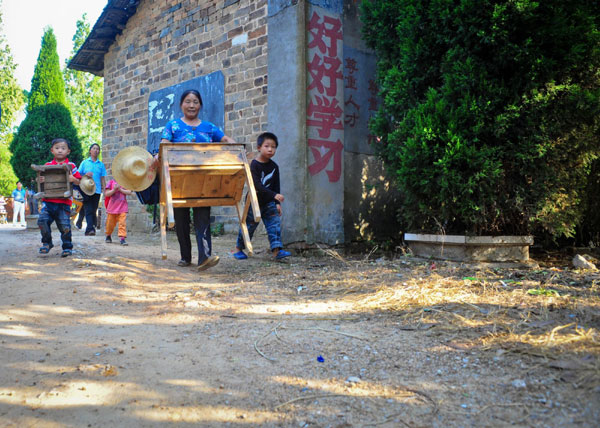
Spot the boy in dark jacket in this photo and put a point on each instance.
(265, 175)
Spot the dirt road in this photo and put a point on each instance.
(117, 337)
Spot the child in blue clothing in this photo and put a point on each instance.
(58, 210)
(265, 175)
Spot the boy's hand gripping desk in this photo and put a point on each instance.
(204, 175)
(56, 181)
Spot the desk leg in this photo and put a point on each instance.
(251, 190)
(168, 194)
(242, 214)
(163, 232)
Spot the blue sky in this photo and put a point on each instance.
(24, 22)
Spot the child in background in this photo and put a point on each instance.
(58, 209)
(265, 175)
(116, 210)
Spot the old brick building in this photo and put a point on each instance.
(292, 67)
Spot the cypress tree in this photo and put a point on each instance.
(47, 84)
(48, 116)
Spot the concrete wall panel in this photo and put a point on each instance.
(286, 108)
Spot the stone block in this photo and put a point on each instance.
(470, 248)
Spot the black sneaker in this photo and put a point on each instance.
(108, 240)
(123, 242)
(90, 233)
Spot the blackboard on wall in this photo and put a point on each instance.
(163, 104)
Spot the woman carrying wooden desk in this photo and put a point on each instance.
(191, 129)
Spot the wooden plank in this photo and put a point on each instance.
(227, 147)
(247, 209)
(210, 169)
(240, 180)
(203, 202)
(230, 187)
(204, 157)
(55, 179)
(251, 189)
(168, 195)
(242, 213)
(54, 186)
(245, 213)
(163, 231)
(63, 167)
(212, 186)
(187, 185)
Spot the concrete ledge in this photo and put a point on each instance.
(470, 248)
(31, 221)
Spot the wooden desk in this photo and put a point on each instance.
(205, 175)
(56, 181)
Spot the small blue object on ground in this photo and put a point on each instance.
(240, 255)
(320, 359)
(282, 254)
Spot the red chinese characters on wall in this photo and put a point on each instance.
(352, 108)
(324, 113)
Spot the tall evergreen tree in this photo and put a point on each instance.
(84, 93)
(47, 115)
(12, 99)
(47, 84)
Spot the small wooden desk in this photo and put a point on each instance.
(56, 181)
(204, 175)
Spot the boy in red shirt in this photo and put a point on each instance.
(116, 210)
(59, 209)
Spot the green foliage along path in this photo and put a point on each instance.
(491, 111)
(12, 99)
(85, 93)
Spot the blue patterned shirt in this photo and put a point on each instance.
(19, 195)
(177, 131)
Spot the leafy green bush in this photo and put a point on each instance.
(491, 110)
(31, 144)
(8, 179)
(589, 230)
(217, 229)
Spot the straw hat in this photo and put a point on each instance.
(87, 185)
(131, 168)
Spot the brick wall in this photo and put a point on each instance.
(168, 42)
